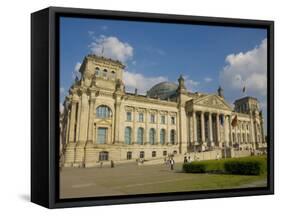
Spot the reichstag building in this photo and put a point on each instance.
(103, 122)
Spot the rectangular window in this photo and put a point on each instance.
(102, 132)
(173, 120)
(129, 155)
(152, 118)
(142, 154)
(162, 119)
(164, 153)
(141, 117)
(129, 116)
(154, 154)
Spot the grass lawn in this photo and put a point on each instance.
(132, 179)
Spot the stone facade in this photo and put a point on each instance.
(101, 121)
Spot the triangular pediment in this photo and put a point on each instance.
(104, 122)
(212, 101)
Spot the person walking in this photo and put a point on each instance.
(185, 160)
(172, 163)
(112, 164)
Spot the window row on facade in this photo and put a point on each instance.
(152, 118)
(105, 73)
(152, 136)
(104, 155)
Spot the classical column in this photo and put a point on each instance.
(202, 128)
(211, 142)
(117, 120)
(218, 130)
(67, 127)
(241, 133)
(90, 137)
(146, 130)
(134, 126)
(70, 147)
(83, 124)
(194, 128)
(72, 122)
(225, 123)
(157, 140)
(90, 159)
(230, 130)
(262, 131)
(83, 129)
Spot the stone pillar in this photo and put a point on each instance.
(203, 130)
(225, 124)
(194, 128)
(252, 130)
(262, 131)
(117, 120)
(90, 137)
(70, 147)
(134, 127)
(157, 131)
(67, 127)
(218, 130)
(73, 119)
(146, 129)
(90, 159)
(182, 139)
(241, 133)
(230, 130)
(83, 129)
(211, 141)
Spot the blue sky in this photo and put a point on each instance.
(206, 56)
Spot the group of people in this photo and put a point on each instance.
(169, 162)
(187, 159)
(111, 164)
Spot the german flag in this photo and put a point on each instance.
(234, 121)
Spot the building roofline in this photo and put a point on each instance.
(104, 58)
(247, 97)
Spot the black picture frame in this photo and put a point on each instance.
(45, 106)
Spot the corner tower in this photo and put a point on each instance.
(103, 72)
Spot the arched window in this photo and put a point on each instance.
(173, 137)
(128, 135)
(103, 112)
(97, 71)
(103, 156)
(162, 136)
(152, 136)
(140, 136)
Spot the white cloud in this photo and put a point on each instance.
(191, 85)
(76, 72)
(247, 69)
(142, 83)
(208, 79)
(112, 47)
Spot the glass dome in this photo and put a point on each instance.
(162, 90)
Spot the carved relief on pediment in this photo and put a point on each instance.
(213, 101)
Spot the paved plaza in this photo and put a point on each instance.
(131, 178)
